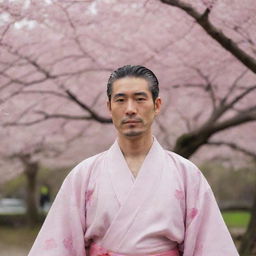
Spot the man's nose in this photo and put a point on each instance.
(131, 108)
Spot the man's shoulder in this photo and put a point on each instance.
(186, 170)
(178, 158)
(182, 163)
(81, 173)
(90, 161)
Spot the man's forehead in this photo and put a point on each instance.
(131, 85)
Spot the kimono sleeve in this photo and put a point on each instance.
(206, 233)
(62, 233)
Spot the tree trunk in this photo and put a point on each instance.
(248, 244)
(187, 144)
(31, 199)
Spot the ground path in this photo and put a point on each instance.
(9, 250)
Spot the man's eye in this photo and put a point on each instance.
(119, 100)
(141, 99)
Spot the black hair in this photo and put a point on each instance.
(134, 71)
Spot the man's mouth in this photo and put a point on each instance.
(131, 121)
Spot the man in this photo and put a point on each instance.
(136, 198)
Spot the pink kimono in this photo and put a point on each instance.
(101, 209)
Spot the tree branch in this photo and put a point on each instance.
(233, 87)
(76, 38)
(233, 146)
(46, 116)
(222, 108)
(241, 118)
(226, 42)
(240, 96)
(208, 86)
(93, 114)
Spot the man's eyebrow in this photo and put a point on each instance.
(141, 94)
(119, 95)
(124, 95)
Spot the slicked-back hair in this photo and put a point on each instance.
(134, 71)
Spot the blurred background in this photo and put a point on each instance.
(55, 60)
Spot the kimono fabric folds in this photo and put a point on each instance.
(101, 209)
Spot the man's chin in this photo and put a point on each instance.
(133, 133)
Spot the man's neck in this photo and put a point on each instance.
(136, 147)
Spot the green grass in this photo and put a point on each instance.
(18, 237)
(236, 219)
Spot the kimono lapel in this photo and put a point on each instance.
(120, 175)
(132, 194)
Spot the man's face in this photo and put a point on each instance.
(132, 107)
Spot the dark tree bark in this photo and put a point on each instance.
(248, 244)
(187, 144)
(31, 171)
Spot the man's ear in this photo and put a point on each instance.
(158, 103)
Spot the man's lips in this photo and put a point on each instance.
(131, 121)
